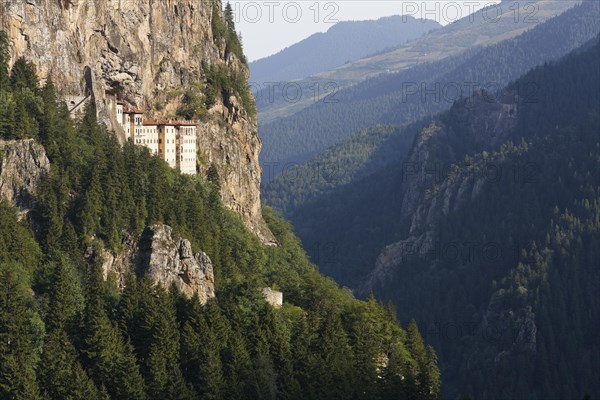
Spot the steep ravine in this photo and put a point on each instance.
(145, 52)
(436, 181)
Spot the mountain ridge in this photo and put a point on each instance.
(385, 100)
(467, 33)
(344, 42)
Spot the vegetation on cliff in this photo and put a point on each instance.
(221, 82)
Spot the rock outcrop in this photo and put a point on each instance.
(273, 297)
(23, 163)
(437, 182)
(165, 259)
(482, 121)
(147, 53)
(239, 171)
(171, 261)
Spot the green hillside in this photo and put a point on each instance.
(68, 333)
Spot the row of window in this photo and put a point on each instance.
(154, 141)
(147, 141)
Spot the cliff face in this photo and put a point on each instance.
(23, 163)
(166, 259)
(479, 123)
(145, 52)
(437, 182)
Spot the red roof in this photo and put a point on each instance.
(169, 122)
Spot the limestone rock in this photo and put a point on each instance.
(236, 156)
(273, 297)
(23, 163)
(169, 260)
(435, 182)
(166, 259)
(484, 121)
(394, 255)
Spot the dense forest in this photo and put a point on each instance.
(400, 98)
(520, 324)
(67, 333)
(358, 156)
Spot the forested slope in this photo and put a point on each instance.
(524, 296)
(493, 234)
(67, 332)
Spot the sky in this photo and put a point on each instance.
(268, 26)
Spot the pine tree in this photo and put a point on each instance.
(201, 354)
(238, 367)
(281, 352)
(212, 175)
(432, 383)
(128, 381)
(4, 58)
(20, 332)
(333, 372)
(108, 357)
(394, 374)
(7, 115)
(228, 15)
(367, 343)
(63, 376)
(91, 208)
(417, 368)
(24, 76)
(49, 119)
(157, 343)
(65, 294)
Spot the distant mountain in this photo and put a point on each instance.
(476, 30)
(400, 98)
(380, 101)
(488, 232)
(342, 43)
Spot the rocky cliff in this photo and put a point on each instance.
(147, 53)
(437, 181)
(166, 259)
(23, 163)
(170, 260)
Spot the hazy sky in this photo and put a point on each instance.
(271, 25)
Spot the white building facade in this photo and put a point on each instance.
(174, 141)
(187, 149)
